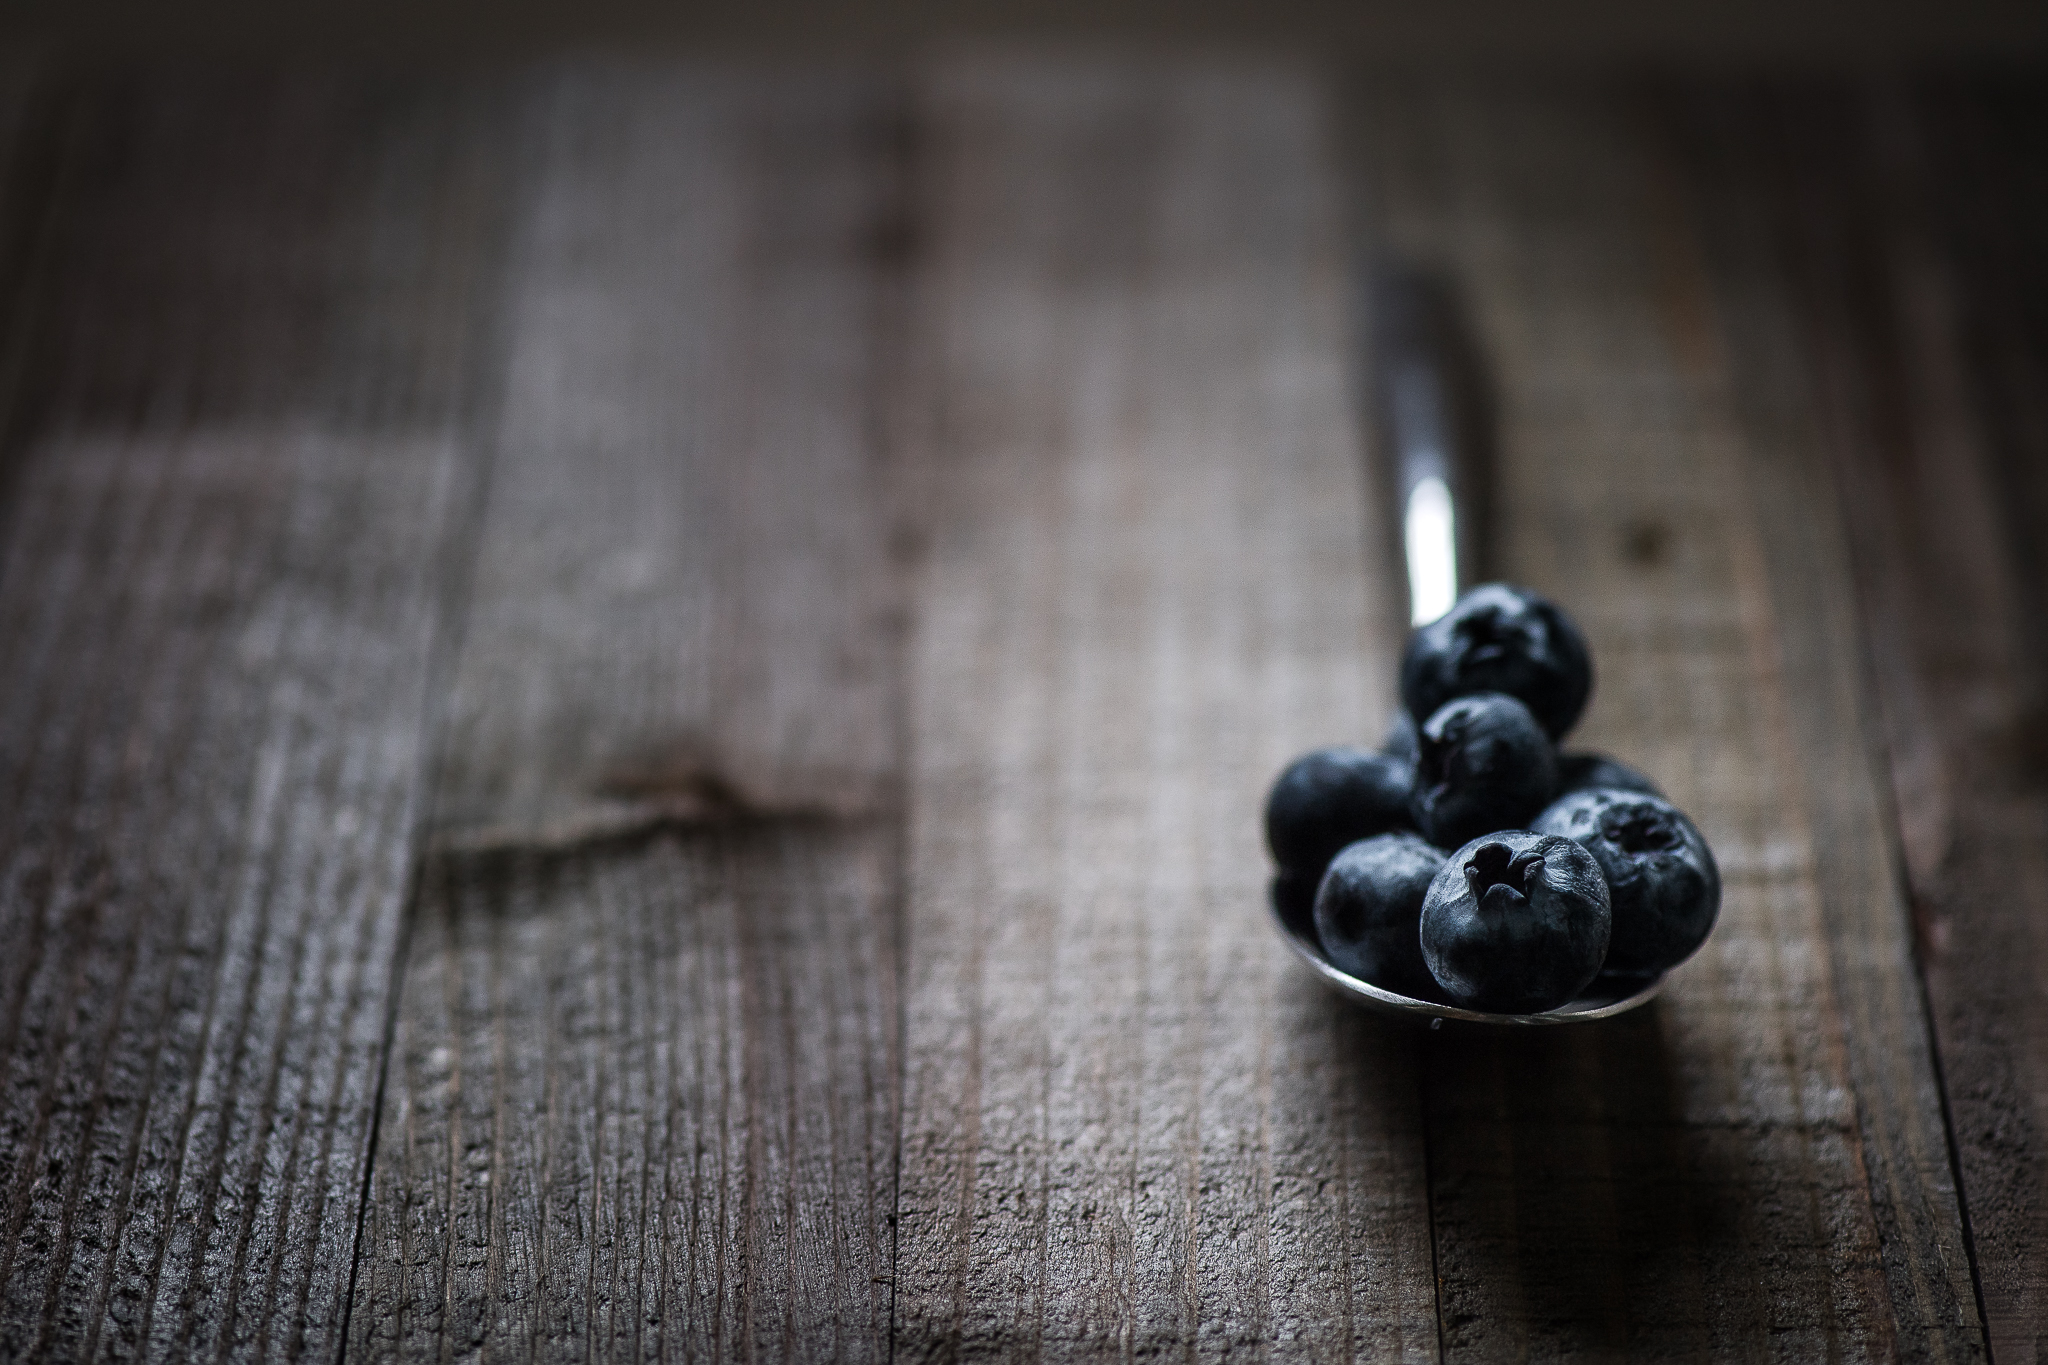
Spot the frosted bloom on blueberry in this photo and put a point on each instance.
(1483, 764)
(1661, 876)
(1516, 922)
(1499, 638)
(1329, 798)
(1369, 911)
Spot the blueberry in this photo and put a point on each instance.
(1484, 764)
(1403, 739)
(1516, 922)
(1499, 638)
(1369, 911)
(1660, 873)
(1294, 899)
(1330, 798)
(1579, 772)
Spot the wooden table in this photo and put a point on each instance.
(634, 699)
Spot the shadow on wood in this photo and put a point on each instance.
(1574, 1202)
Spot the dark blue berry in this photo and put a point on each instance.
(1294, 900)
(1404, 738)
(1516, 922)
(1484, 764)
(1581, 772)
(1499, 638)
(1330, 798)
(1661, 876)
(1369, 911)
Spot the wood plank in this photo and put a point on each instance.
(226, 561)
(1131, 1124)
(1900, 226)
(1986, 902)
(642, 1098)
(1756, 1166)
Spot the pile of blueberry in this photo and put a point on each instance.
(1565, 865)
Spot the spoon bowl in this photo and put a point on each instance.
(1606, 997)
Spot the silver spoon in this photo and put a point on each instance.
(1606, 997)
(1429, 400)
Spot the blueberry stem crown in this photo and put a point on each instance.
(1490, 635)
(1640, 829)
(1430, 755)
(1501, 879)
(1436, 756)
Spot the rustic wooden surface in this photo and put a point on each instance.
(1777, 1103)
(228, 529)
(1130, 1126)
(635, 701)
(1899, 230)
(642, 1098)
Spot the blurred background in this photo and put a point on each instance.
(1805, 32)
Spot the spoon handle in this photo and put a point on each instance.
(1433, 418)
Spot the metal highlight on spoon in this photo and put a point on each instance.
(1434, 422)
(1429, 534)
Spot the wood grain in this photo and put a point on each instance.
(642, 1099)
(1985, 901)
(1756, 1168)
(1893, 223)
(1132, 1126)
(239, 470)
(803, 591)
